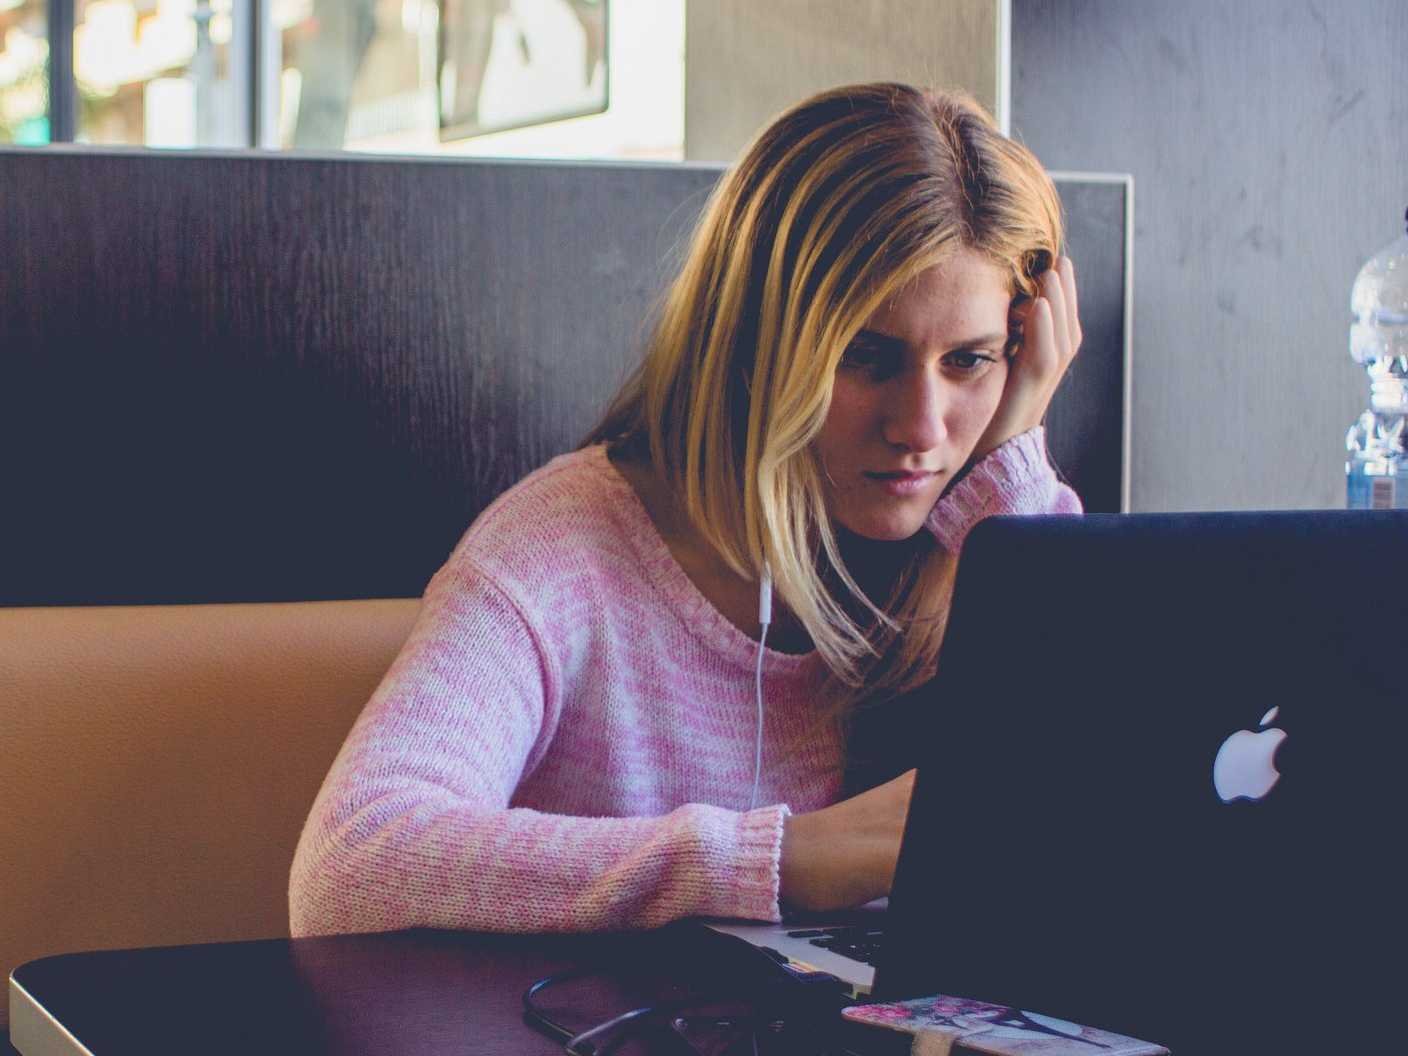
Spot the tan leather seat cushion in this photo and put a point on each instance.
(158, 763)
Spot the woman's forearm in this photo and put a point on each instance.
(845, 854)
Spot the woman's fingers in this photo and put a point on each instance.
(1045, 346)
(1054, 293)
(1068, 286)
(1050, 338)
(1054, 323)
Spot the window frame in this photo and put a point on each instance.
(250, 68)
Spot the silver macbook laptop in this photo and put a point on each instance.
(845, 944)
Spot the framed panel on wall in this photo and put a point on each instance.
(504, 64)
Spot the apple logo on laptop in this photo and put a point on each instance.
(1245, 767)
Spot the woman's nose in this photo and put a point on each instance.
(914, 416)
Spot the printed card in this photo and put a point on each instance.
(942, 1025)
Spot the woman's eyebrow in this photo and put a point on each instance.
(881, 338)
(980, 341)
(983, 340)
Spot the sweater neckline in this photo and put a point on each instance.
(699, 614)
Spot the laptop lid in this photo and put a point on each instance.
(1067, 851)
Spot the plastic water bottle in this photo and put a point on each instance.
(1376, 468)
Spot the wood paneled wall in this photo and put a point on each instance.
(274, 378)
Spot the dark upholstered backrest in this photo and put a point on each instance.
(256, 377)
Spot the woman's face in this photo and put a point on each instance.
(913, 393)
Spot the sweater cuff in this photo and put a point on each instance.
(755, 884)
(1014, 478)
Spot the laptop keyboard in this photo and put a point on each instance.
(857, 943)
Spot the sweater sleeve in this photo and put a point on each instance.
(414, 826)
(1016, 477)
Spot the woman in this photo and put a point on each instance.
(585, 729)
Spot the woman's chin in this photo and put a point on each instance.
(889, 526)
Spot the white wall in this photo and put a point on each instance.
(747, 60)
(1268, 147)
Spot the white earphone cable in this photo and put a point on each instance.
(764, 618)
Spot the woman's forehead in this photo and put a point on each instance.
(965, 291)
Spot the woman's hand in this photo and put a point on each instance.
(1050, 338)
(845, 854)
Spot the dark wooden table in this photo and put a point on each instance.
(419, 991)
(395, 994)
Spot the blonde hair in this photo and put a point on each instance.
(833, 208)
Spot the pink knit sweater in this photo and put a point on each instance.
(565, 742)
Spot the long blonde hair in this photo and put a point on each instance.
(833, 208)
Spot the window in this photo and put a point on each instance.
(354, 73)
(24, 72)
(160, 73)
(547, 78)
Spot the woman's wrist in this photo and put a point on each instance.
(819, 870)
(796, 879)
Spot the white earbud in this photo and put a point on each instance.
(764, 618)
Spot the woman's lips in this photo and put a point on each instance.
(902, 485)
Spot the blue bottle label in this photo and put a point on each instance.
(1381, 493)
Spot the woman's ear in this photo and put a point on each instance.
(1017, 314)
(1036, 262)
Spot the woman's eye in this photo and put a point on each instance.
(969, 362)
(861, 356)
